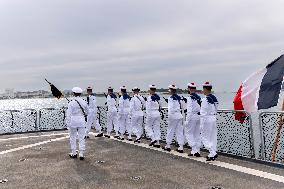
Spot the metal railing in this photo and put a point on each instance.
(18, 121)
(272, 136)
(52, 119)
(234, 137)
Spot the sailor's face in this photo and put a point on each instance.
(89, 92)
(151, 92)
(192, 90)
(205, 91)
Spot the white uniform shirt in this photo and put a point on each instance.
(209, 106)
(111, 103)
(152, 106)
(92, 103)
(174, 107)
(74, 116)
(193, 108)
(124, 105)
(137, 103)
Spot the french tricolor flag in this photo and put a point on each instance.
(261, 90)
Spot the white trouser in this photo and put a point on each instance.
(209, 134)
(112, 122)
(123, 121)
(137, 125)
(73, 139)
(152, 128)
(192, 133)
(91, 120)
(175, 127)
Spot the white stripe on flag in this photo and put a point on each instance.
(250, 90)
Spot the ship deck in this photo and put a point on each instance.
(40, 160)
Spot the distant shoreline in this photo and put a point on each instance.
(100, 95)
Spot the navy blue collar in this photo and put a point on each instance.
(211, 99)
(126, 96)
(155, 97)
(112, 95)
(176, 97)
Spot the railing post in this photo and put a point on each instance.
(261, 137)
(252, 137)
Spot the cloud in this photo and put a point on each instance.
(125, 42)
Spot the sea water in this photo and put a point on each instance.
(225, 102)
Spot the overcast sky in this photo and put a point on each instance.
(136, 42)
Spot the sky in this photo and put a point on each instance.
(103, 43)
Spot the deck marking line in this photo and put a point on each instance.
(230, 166)
(32, 136)
(32, 145)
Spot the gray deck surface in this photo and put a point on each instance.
(125, 166)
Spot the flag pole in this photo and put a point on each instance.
(277, 136)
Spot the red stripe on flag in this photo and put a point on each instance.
(238, 105)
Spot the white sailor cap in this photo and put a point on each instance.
(123, 88)
(89, 88)
(173, 86)
(207, 84)
(135, 89)
(152, 86)
(77, 90)
(191, 85)
(110, 88)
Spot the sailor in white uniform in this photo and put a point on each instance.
(175, 119)
(192, 123)
(112, 122)
(153, 108)
(76, 122)
(92, 116)
(137, 105)
(123, 112)
(208, 126)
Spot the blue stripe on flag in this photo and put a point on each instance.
(271, 84)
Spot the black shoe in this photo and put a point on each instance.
(179, 151)
(86, 137)
(138, 140)
(215, 157)
(167, 149)
(81, 158)
(116, 136)
(120, 138)
(100, 135)
(152, 143)
(210, 158)
(73, 156)
(157, 145)
(107, 136)
(197, 154)
(129, 139)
